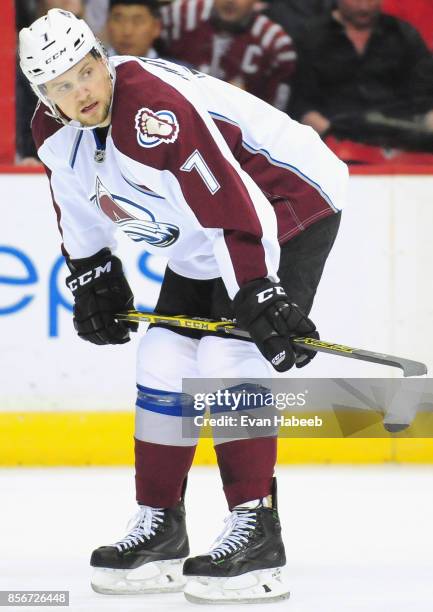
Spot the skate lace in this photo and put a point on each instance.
(143, 525)
(238, 525)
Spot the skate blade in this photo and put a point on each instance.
(155, 577)
(260, 586)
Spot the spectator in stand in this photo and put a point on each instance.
(294, 15)
(133, 26)
(73, 6)
(96, 15)
(25, 98)
(367, 77)
(417, 12)
(231, 41)
(25, 13)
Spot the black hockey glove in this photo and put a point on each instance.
(263, 308)
(100, 290)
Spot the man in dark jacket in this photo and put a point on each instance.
(365, 76)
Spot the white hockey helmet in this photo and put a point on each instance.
(53, 44)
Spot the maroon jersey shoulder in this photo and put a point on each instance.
(134, 83)
(43, 125)
(146, 112)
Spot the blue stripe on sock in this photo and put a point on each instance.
(166, 402)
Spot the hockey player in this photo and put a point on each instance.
(245, 204)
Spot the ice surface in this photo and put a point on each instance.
(357, 539)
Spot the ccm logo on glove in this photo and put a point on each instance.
(278, 358)
(263, 308)
(100, 290)
(267, 294)
(89, 276)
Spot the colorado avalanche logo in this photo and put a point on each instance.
(154, 128)
(139, 230)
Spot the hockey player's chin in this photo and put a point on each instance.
(92, 115)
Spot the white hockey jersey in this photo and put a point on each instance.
(194, 169)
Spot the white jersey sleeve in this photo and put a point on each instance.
(83, 228)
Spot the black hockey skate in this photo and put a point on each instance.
(149, 558)
(244, 565)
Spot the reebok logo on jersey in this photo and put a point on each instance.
(154, 128)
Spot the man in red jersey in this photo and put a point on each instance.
(229, 40)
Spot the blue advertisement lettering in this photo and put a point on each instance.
(147, 272)
(30, 277)
(56, 299)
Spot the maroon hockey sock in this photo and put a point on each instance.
(160, 471)
(247, 468)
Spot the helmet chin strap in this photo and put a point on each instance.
(56, 113)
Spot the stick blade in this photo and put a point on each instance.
(409, 367)
(395, 427)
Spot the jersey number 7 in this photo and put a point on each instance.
(196, 162)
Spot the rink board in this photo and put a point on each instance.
(66, 402)
(92, 438)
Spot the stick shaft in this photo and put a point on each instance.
(409, 367)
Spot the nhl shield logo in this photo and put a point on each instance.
(154, 128)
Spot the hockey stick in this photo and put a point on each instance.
(409, 367)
